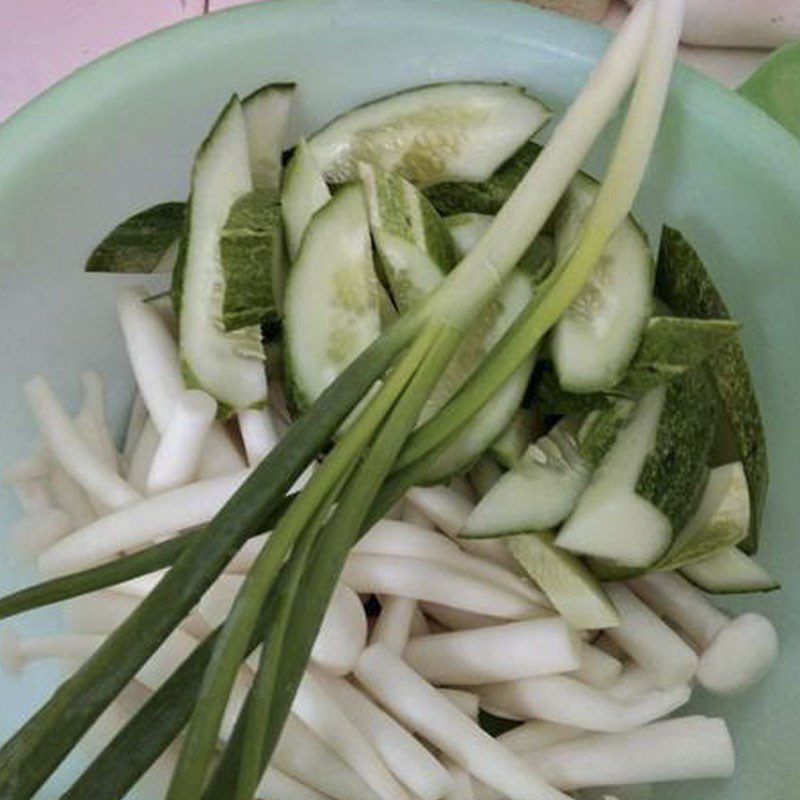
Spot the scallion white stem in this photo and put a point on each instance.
(68, 447)
(422, 709)
(178, 454)
(36, 532)
(258, 433)
(93, 411)
(506, 652)
(342, 635)
(70, 497)
(153, 518)
(142, 456)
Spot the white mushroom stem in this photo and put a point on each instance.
(28, 469)
(422, 709)
(462, 787)
(275, 784)
(597, 668)
(448, 510)
(413, 516)
(34, 495)
(650, 641)
(633, 682)
(456, 619)
(136, 422)
(325, 717)
(420, 626)
(399, 538)
(468, 703)
(425, 580)
(154, 358)
(501, 653)
(154, 518)
(393, 626)
(462, 486)
(142, 456)
(735, 653)
(17, 652)
(535, 734)
(258, 434)
(246, 555)
(68, 447)
(176, 459)
(70, 497)
(38, 531)
(303, 756)
(93, 411)
(672, 750)
(342, 635)
(410, 762)
(558, 698)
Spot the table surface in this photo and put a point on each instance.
(41, 41)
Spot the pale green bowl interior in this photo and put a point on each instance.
(120, 134)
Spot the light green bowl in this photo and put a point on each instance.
(120, 135)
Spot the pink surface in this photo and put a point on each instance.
(41, 41)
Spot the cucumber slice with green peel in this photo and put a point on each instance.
(266, 115)
(449, 131)
(414, 246)
(722, 520)
(485, 197)
(596, 338)
(331, 305)
(670, 346)
(304, 193)
(730, 572)
(651, 480)
(137, 245)
(484, 428)
(571, 588)
(513, 441)
(545, 485)
(683, 282)
(466, 230)
(484, 475)
(253, 263)
(229, 366)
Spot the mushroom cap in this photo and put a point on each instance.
(740, 655)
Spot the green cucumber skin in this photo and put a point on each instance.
(675, 472)
(598, 431)
(136, 244)
(683, 282)
(252, 253)
(486, 197)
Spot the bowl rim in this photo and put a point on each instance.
(71, 98)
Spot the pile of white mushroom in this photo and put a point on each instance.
(389, 705)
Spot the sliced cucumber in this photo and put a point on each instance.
(513, 441)
(484, 428)
(722, 519)
(467, 229)
(136, 245)
(730, 572)
(485, 197)
(571, 588)
(596, 338)
(304, 193)
(252, 255)
(450, 131)
(683, 282)
(543, 488)
(229, 366)
(484, 475)
(266, 114)
(414, 246)
(651, 480)
(331, 307)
